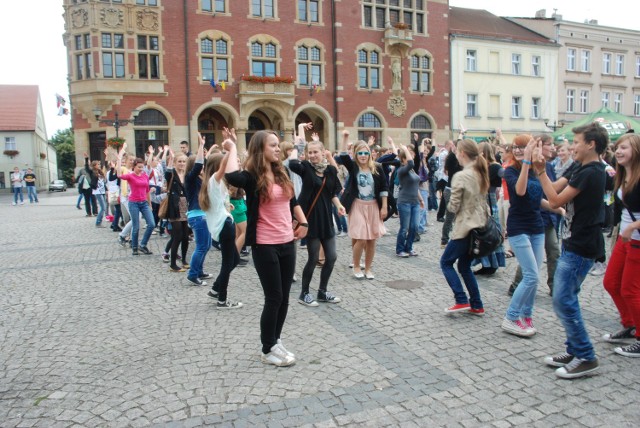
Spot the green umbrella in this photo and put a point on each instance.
(614, 123)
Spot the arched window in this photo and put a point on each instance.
(309, 66)
(368, 69)
(151, 128)
(214, 59)
(422, 126)
(264, 59)
(370, 125)
(421, 71)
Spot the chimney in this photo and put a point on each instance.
(593, 21)
(542, 13)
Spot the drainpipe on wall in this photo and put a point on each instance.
(186, 70)
(334, 46)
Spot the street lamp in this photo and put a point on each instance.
(557, 125)
(117, 122)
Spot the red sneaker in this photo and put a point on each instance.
(477, 311)
(458, 307)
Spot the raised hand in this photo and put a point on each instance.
(315, 136)
(372, 141)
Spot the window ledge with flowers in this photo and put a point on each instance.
(258, 87)
(11, 153)
(115, 143)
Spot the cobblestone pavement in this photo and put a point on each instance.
(91, 336)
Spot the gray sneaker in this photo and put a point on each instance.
(559, 360)
(228, 304)
(307, 300)
(632, 350)
(621, 336)
(578, 368)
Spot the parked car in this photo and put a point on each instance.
(58, 186)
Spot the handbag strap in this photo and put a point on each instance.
(628, 209)
(313, 204)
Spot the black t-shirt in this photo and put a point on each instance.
(582, 233)
(30, 179)
(452, 166)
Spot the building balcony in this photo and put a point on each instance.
(256, 91)
(398, 39)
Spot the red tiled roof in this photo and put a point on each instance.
(480, 23)
(18, 107)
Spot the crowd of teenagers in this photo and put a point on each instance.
(550, 201)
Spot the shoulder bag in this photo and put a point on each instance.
(296, 224)
(484, 240)
(164, 205)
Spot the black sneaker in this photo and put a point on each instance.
(328, 297)
(122, 241)
(243, 262)
(577, 367)
(145, 250)
(213, 294)
(205, 276)
(622, 336)
(632, 350)
(196, 281)
(228, 304)
(244, 252)
(559, 360)
(134, 251)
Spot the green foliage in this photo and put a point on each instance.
(64, 143)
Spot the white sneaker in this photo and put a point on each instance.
(277, 357)
(289, 354)
(21, 202)
(598, 269)
(517, 328)
(14, 204)
(341, 234)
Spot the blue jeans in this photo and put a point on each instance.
(409, 216)
(102, 204)
(458, 249)
(203, 242)
(17, 191)
(422, 227)
(570, 274)
(135, 209)
(33, 193)
(80, 195)
(432, 203)
(529, 250)
(341, 222)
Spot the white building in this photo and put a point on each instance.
(503, 76)
(24, 137)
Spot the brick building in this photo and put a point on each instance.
(371, 66)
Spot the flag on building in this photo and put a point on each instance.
(61, 102)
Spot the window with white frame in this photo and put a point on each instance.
(309, 65)
(571, 99)
(606, 99)
(617, 102)
(472, 105)
(309, 10)
(421, 71)
(113, 55)
(638, 66)
(619, 65)
(535, 108)
(10, 143)
(368, 69)
(571, 59)
(263, 59)
(584, 101)
(535, 65)
(606, 63)
(516, 107)
(471, 60)
(585, 61)
(148, 57)
(146, 2)
(381, 13)
(263, 8)
(515, 63)
(83, 57)
(214, 5)
(636, 105)
(214, 59)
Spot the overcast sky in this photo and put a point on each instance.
(34, 54)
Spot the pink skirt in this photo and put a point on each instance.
(364, 220)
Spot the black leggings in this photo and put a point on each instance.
(275, 265)
(179, 235)
(230, 258)
(330, 256)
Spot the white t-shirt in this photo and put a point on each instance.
(217, 213)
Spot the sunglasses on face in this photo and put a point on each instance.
(363, 153)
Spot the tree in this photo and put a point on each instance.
(64, 144)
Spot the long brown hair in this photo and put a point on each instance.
(470, 148)
(256, 165)
(487, 151)
(210, 167)
(621, 172)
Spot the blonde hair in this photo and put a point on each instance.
(370, 163)
(621, 172)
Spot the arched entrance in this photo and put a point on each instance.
(318, 122)
(151, 129)
(264, 119)
(210, 124)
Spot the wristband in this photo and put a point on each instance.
(526, 162)
(544, 171)
(304, 225)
